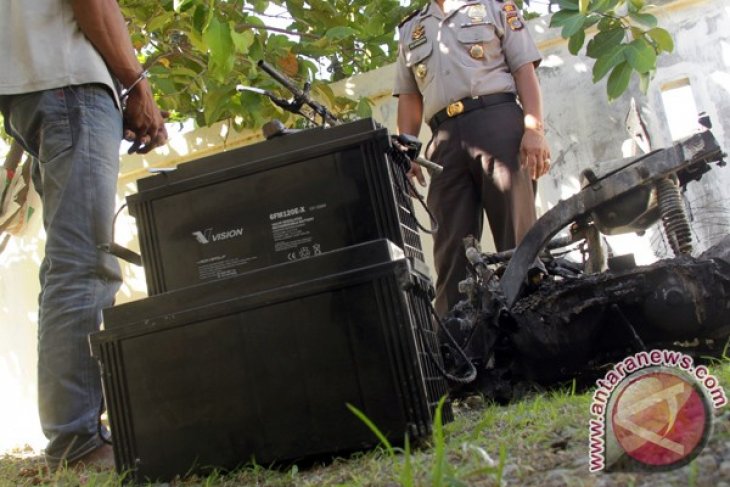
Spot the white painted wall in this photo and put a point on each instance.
(583, 128)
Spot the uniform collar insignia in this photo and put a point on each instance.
(476, 12)
(418, 33)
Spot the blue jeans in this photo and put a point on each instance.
(74, 133)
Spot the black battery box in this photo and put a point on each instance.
(262, 366)
(282, 200)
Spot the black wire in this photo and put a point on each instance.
(472, 374)
(434, 224)
(114, 220)
(403, 162)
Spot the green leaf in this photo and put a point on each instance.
(340, 32)
(609, 23)
(641, 56)
(374, 429)
(644, 80)
(158, 70)
(257, 50)
(159, 21)
(662, 38)
(260, 5)
(256, 22)
(591, 21)
(325, 90)
(604, 63)
(165, 85)
(644, 19)
(604, 41)
(439, 456)
(364, 108)
(568, 4)
(220, 46)
(618, 81)
(636, 32)
(406, 473)
(637, 4)
(200, 17)
(602, 6)
(196, 40)
(182, 71)
(559, 19)
(576, 42)
(573, 25)
(216, 102)
(583, 6)
(242, 41)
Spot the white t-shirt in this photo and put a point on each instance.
(43, 48)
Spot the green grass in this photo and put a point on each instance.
(485, 445)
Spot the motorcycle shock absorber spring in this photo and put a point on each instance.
(674, 219)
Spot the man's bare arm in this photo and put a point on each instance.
(534, 151)
(103, 24)
(410, 113)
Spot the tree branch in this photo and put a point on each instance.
(245, 26)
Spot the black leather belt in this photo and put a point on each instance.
(468, 104)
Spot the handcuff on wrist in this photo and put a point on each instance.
(128, 90)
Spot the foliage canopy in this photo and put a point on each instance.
(198, 51)
(628, 39)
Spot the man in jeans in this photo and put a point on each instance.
(61, 65)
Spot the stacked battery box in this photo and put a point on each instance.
(282, 200)
(262, 357)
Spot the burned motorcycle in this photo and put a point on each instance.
(525, 323)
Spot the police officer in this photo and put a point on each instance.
(461, 67)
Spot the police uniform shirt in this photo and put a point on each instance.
(470, 51)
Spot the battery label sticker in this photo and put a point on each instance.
(221, 266)
(292, 231)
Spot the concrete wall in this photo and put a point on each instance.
(583, 128)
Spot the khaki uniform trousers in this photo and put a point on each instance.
(479, 151)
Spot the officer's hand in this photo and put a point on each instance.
(416, 174)
(535, 153)
(144, 123)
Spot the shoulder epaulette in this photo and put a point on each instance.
(408, 17)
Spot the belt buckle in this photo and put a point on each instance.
(456, 108)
